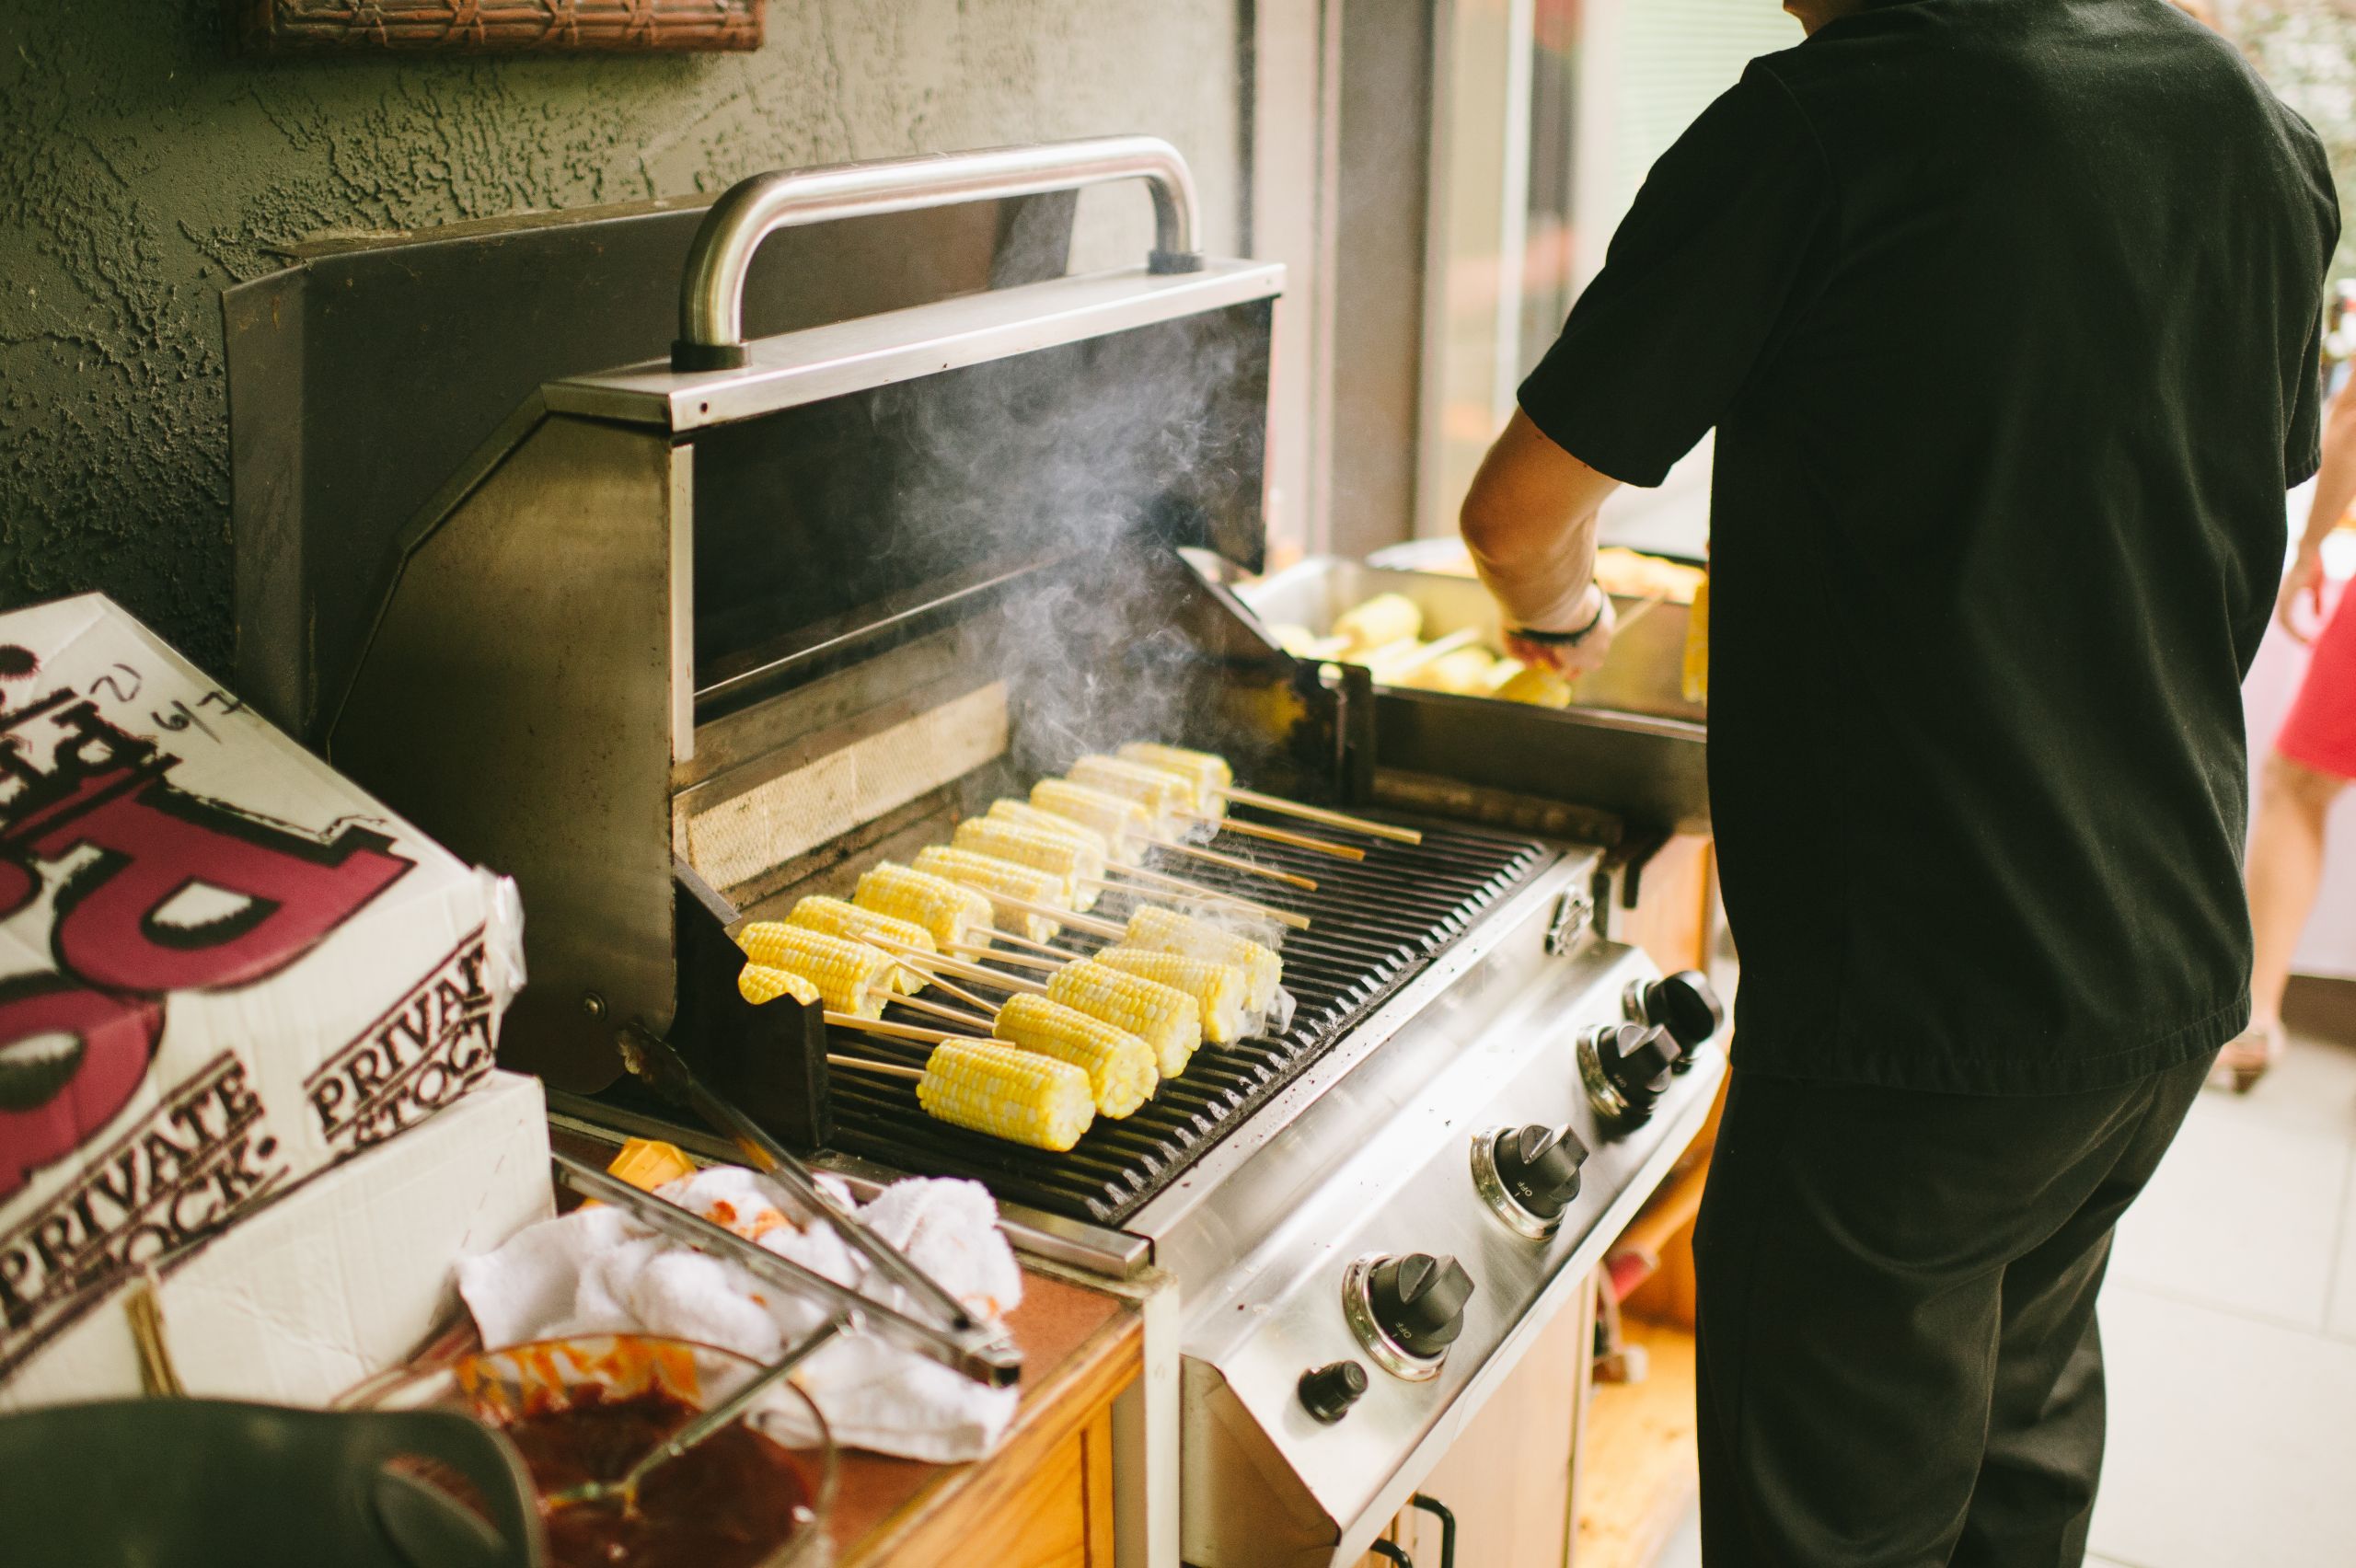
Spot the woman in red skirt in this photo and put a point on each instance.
(2313, 757)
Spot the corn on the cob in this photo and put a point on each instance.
(1537, 686)
(853, 977)
(1167, 796)
(1068, 859)
(1207, 772)
(1126, 826)
(988, 875)
(1020, 813)
(1384, 619)
(758, 983)
(1162, 1016)
(853, 924)
(1155, 929)
(1119, 1065)
(1218, 989)
(1008, 1094)
(942, 907)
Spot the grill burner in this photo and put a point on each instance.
(1376, 924)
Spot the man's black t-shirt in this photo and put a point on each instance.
(2007, 314)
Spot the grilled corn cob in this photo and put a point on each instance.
(942, 907)
(853, 977)
(1162, 1016)
(853, 924)
(1008, 1094)
(758, 982)
(1384, 619)
(1119, 1065)
(1020, 813)
(1218, 989)
(1166, 796)
(1155, 929)
(1537, 686)
(1126, 826)
(1067, 859)
(1206, 771)
(988, 874)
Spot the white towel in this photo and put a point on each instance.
(599, 1271)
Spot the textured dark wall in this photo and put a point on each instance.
(141, 170)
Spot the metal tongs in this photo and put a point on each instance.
(952, 1336)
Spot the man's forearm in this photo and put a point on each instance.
(1530, 522)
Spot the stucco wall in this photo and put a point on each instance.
(141, 170)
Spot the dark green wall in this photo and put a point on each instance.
(141, 170)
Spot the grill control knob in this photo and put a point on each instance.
(1626, 1069)
(1528, 1176)
(1418, 1300)
(1327, 1392)
(1540, 1168)
(1684, 1004)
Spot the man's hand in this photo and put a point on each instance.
(1570, 660)
(2303, 581)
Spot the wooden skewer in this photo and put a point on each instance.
(1171, 886)
(1319, 813)
(1049, 948)
(1398, 667)
(1234, 863)
(920, 1005)
(890, 1069)
(891, 1031)
(959, 992)
(999, 979)
(1279, 835)
(1024, 960)
(1088, 922)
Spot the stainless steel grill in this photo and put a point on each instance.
(1374, 926)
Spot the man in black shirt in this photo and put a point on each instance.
(2006, 315)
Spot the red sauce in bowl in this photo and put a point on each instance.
(730, 1501)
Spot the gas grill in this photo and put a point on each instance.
(686, 640)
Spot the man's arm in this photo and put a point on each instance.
(2335, 493)
(1529, 521)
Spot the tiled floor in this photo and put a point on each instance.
(2229, 1321)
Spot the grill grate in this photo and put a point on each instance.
(1375, 925)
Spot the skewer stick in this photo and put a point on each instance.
(1087, 923)
(891, 1030)
(919, 1004)
(959, 992)
(1319, 813)
(1234, 863)
(889, 1069)
(1009, 936)
(1279, 835)
(1398, 667)
(1021, 960)
(1179, 887)
(931, 963)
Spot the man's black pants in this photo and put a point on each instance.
(1898, 1360)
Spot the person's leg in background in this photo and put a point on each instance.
(1878, 1386)
(2285, 872)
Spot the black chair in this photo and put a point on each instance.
(208, 1483)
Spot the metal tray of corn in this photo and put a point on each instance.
(1629, 742)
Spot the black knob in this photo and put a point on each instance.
(1327, 1392)
(1638, 1060)
(1540, 1168)
(1419, 1300)
(1684, 1004)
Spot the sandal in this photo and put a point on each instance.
(2246, 1057)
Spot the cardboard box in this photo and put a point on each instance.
(223, 968)
(335, 1282)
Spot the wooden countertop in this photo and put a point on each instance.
(1079, 1349)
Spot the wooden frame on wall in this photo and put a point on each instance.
(314, 27)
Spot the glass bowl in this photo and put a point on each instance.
(588, 1408)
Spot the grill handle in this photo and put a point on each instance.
(711, 294)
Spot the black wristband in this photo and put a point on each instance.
(1566, 639)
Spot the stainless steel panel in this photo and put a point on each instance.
(1632, 745)
(1274, 1485)
(875, 351)
(515, 702)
